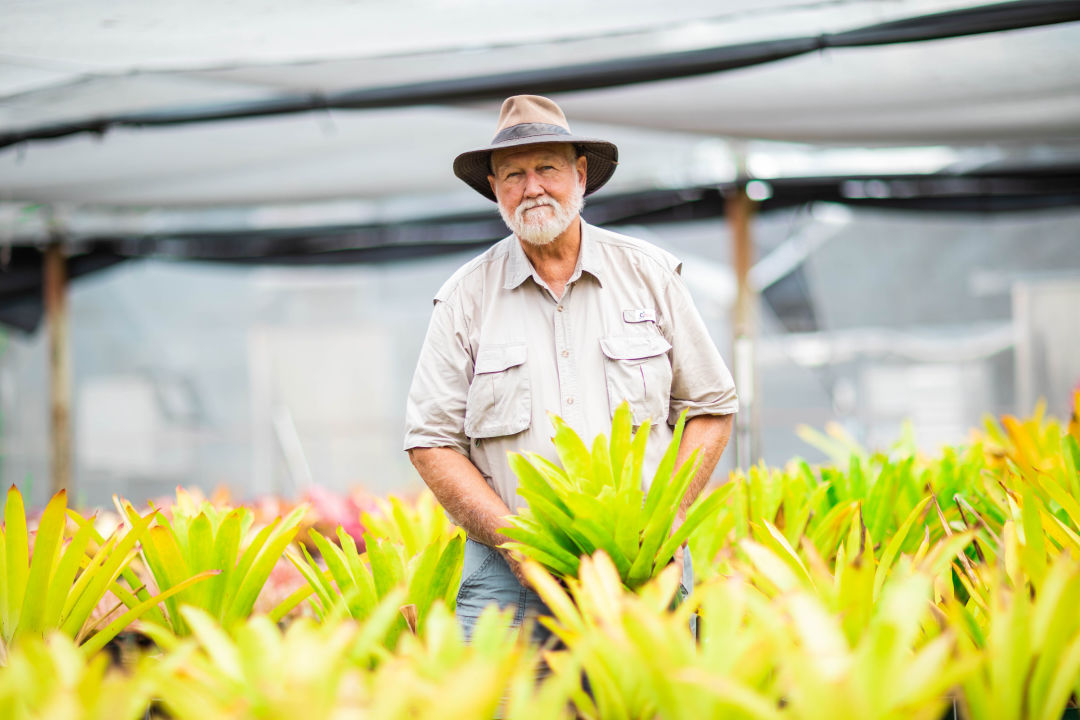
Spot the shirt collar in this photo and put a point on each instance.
(589, 256)
(518, 266)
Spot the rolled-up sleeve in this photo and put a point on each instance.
(701, 383)
(435, 410)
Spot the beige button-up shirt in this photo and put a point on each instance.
(502, 352)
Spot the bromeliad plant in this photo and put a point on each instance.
(339, 668)
(893, 670)
(202, 538)
(1026, 646)
(595, 502)
(883, 487)
(256, 670)
(785, 658)
(980, 488)
(882, 587)
(414, 525)
(364, 579)
(851, 586)
(493, 675)
(52, 678)
(637, 656)
(58, 584)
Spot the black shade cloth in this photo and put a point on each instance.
(989, 191)
(21, 282)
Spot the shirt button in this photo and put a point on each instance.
(559, 308)
(566, 353)
(569, 401)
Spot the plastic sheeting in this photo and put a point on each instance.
(1013, 93)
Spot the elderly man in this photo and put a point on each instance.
(560, 317)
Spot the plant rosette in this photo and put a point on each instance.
(595, 501)
(201, 538)
(57, 581)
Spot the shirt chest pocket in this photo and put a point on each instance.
(500, 400)
(637, 369)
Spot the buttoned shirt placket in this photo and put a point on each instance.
(566, 368)
(565, 360)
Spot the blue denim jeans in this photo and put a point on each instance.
(486, 580)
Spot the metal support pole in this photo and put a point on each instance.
(739, 210)
(56, 315)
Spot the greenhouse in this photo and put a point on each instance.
(222, 228)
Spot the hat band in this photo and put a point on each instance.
(515, 132)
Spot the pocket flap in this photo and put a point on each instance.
(634, 347)
(499, 358)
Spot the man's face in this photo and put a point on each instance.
(539, 190)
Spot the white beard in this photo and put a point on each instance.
(543, 227)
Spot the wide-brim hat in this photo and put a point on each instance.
(535, 120)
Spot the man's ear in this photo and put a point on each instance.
(582, 164)
(491, 182)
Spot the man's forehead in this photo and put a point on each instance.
(527, 153)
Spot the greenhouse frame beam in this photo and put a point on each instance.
(739, 213)
(56, 313)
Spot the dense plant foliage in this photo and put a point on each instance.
(55, 577)
(595, 502)
(885, 584)
(202, 538)
(362, 580)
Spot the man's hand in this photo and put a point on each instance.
(515, 566)
(680, 518)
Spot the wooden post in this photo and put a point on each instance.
(739, 210)
(56, 317)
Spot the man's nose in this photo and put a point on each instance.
(533, 188)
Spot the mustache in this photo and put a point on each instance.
(526, 205)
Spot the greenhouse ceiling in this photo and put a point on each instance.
(150, 119)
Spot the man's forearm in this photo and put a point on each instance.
(710, 433)
(462, 490)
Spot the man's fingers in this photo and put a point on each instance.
(515, 568)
